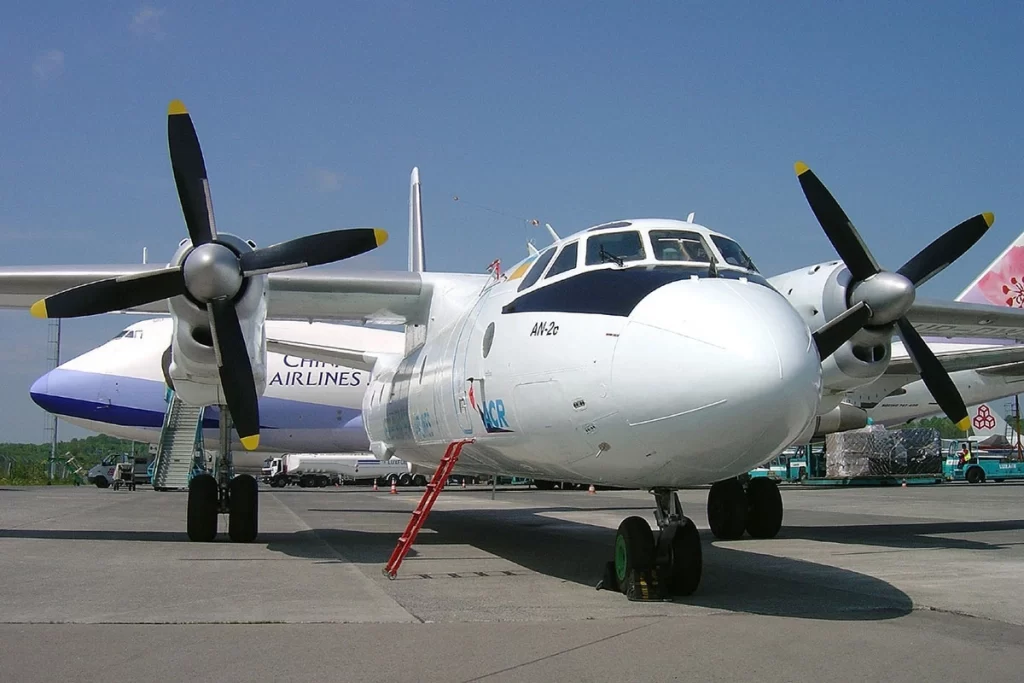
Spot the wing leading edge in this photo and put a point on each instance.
(958, 320)
(386, 297)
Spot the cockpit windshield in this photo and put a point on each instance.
(679, 245)
(615, 247)
(733, 253)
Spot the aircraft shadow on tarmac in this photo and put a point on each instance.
(734, 580)
(911, 536)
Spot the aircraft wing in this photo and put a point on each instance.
(350, 358)
(955, 319)
(386, 297)
(954, 361)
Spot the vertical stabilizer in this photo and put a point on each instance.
(415, 335)
(1002, 283)
(417, 257)
(989, 419)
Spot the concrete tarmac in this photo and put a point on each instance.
(886, 584)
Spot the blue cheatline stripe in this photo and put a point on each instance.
(133, 402)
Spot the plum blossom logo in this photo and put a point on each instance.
(984, 418)
(1004, 284)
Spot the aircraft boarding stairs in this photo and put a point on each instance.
(181, 445)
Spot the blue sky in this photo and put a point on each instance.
(311, 116)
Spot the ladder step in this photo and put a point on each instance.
(419, 515)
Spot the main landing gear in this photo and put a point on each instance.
(646, 568)
(756, 509)
(210, 495)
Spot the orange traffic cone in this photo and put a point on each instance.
(375, 485)
(592, 489)
(394, 486)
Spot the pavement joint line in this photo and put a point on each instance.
(341, 558)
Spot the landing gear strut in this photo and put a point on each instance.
(756, 509)
(645, 568)
(210, 495)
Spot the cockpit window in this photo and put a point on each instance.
(566, 260)
(679, 245)
(538, 268)
(615, 247)
(733, 253)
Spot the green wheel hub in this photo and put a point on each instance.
(620, 557)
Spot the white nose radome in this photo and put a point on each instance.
(729, 364)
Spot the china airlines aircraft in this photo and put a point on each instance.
(647, 353)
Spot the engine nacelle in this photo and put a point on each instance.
(193, 369)
(842, 418)
(819, 294)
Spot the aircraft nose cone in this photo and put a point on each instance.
(40, 392)
(715, 375)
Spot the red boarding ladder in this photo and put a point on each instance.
(419, 515)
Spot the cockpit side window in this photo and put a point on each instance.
(615, 247)
(733, 253)
(129, 334)
(679, 245)
(566, 260)
(538, 268)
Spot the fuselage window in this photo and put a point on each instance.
(733, 253)
(538, 268)
(615, 247)
(679, 245)
(566, 260)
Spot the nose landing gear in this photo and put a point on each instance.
(647, 569)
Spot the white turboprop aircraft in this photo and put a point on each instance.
(646, 353)
(315, 406)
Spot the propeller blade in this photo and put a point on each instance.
(190, 174)
(313, 250)
(235, 372)
(114, 294)
(838, 228)
(934, 375)
(934, 258)
(840, 329)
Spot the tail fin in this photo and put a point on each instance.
(988, 419)
(417, 257)
(1002, 283)
(415, 335)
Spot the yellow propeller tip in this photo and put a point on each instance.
(989, 217)
(251, 443)
(380, 236)
(964, 424)
(176, 107)
(38, 309)
(800, 168)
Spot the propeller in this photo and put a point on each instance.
(212, 274)
(877, 298)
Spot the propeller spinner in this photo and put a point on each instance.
(877, 297)
(212, 274)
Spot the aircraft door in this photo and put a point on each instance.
(460, 378)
